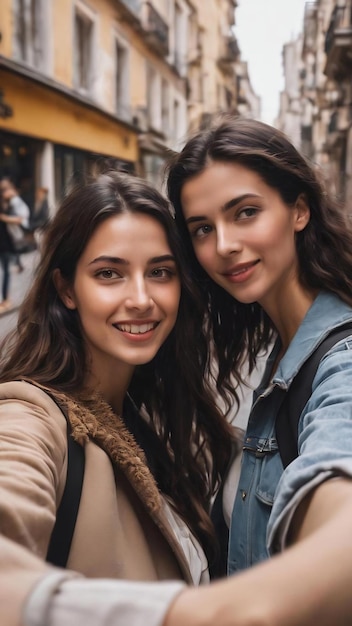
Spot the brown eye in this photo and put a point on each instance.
(247, 212)
(107, 274)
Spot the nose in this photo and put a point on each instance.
(138, 296)
(227, 241)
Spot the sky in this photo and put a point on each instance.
(262, 28)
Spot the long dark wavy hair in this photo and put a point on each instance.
(324, 247)
(47, 348)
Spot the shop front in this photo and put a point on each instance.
(53, 139)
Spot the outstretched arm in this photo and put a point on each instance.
(307, 584)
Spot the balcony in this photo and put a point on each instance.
(338, 43)
(130, 10)
(229, 55)
(339, 123)
(195, 54)
(155, 28)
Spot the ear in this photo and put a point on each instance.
(64, 290)
(302, 213)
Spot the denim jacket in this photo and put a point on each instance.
(268, 495)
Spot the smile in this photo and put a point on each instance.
(241, 268)
(240, 272)
(136, 329)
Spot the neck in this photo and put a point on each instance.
(112, 385)
(288, 315)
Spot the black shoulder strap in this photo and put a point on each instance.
(298, 395)
(61, 537)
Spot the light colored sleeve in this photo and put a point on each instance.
(32, 472)
(57, 602)
(33, 465)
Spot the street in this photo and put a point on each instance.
(19, 284)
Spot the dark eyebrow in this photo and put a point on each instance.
(228, 205)
(118, 261)
(161, 259)
(109, 259)
(232, 203)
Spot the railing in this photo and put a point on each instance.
(332, 126)
(156, 28)
(132, 5)
(230, 50)
(228, 54)
(340, 19)
(233, 48)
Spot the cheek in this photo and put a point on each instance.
(174, 301)
(274, 237)
(205, 255)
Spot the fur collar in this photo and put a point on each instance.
(92, 419)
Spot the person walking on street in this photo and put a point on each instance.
(6, 254)
(16, 216)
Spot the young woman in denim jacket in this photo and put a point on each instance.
(273, 256)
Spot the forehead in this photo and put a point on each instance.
(218, 183)
(129, 234)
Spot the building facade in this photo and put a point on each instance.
(86, 84)
(323, 72)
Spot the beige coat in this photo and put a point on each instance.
(123, 528)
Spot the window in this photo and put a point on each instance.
(154, 98)
(83, 41)
(179, 121)
(123, 108)
(165, 107)
(176, 114)
(181, 43)
(29, 41)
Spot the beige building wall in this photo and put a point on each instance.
(325, 93)
(212, 59)
(152, 70)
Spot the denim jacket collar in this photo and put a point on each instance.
(328, 311)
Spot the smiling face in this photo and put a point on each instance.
(243, 234)
(126, 291)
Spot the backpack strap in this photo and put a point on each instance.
(66, 515)
(298, 395)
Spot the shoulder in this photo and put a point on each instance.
(27, 391)
(25, 405)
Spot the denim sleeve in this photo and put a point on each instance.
(324, 441)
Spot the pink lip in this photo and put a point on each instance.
(137, 337)
(240, 272)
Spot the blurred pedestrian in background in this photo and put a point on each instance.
(7, 251)
(16, 216)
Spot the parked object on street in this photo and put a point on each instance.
(272, 253)
(105, 343)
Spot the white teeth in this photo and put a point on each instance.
(136, 329)
(240, 271)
